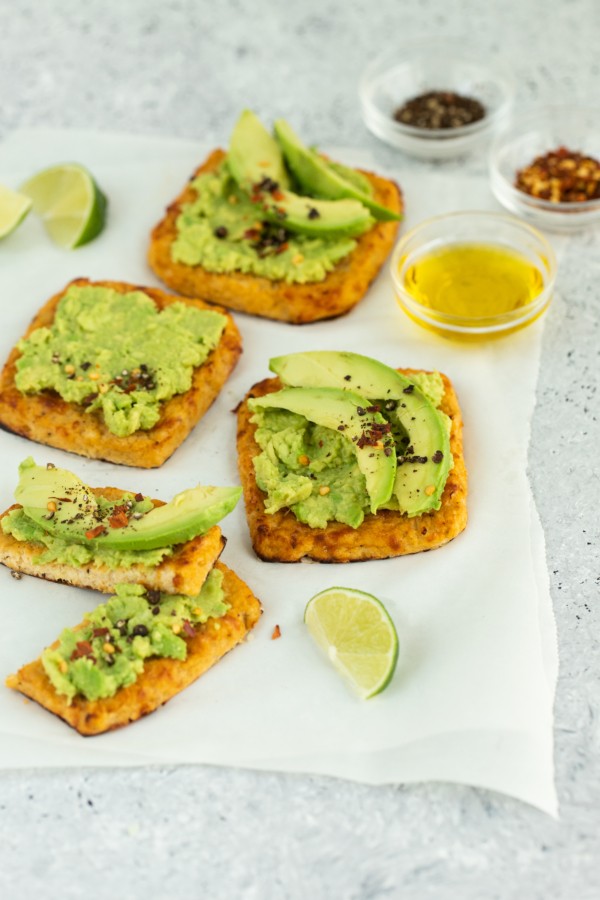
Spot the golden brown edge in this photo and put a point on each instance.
(48, 419)
(162, 678)
(295, 303)
(281, 538)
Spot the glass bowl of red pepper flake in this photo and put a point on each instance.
(546, 167)
(431, 99)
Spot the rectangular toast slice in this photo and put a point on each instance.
(343, 287)
(161, 679)
(182, 573)
(48, 419)
(280, 537)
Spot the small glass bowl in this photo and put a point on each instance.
(490, 229)
(407, 71)
(534, 135)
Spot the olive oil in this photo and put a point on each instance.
(472, 284)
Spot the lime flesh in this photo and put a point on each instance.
(358, 636)
(13, 209)
(70, 203)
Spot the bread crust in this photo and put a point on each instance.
(48, 419)
(342, 288)
(280, 537)
(182, 573)
(161, 679)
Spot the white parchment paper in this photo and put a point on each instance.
(472, 697)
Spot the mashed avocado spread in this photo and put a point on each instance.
(108, 651)
(313, 470)
(221, 231)
(55, 549)
(117, 354)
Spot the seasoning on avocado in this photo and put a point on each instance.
(440, 109)
(561, 176)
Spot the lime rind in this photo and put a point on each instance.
(358, 636)
(14, 207)
(70, 203)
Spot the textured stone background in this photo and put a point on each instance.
(186, 68)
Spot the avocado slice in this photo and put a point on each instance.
(75, 511)
(316, 218)
(254, 155)
(348, 413)
(319, 179)
(419, 484)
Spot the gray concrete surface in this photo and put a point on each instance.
(185, 68)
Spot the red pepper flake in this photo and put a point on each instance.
(119, 517)
(188, 628)
(277, 195)
(95, 532)
(83, 648)
(276, 633)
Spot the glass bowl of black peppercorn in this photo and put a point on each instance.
(432, 100)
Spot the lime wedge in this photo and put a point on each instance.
(13, 209)
(358, 636)
(70, 203)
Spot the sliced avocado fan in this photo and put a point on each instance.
(423, 470)
(64, 506)
(256, 163)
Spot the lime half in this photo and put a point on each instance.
(358, 636)
(13, 209)
(70, 203)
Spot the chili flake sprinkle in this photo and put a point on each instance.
(561, 176)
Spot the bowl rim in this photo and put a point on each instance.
(518, 127)
(480, 324)
(390, 57)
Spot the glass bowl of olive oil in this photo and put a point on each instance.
(474, 275)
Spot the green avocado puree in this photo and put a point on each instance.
(55, 549)
(221, 230)
(117, 354)
(313, 470)
(108, 652)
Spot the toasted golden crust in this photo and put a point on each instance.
(297, 303)
(161, 678)
(281, 537)
(48, 419)
(182, 573)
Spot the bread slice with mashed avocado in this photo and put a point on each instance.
(114, 660)
(62, 530)
(112, 371)
(318, 480)
(261, 229)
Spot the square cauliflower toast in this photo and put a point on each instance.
(161, 679)
(296, 303)
(48, 419)
(280, 537)
(182, 573)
